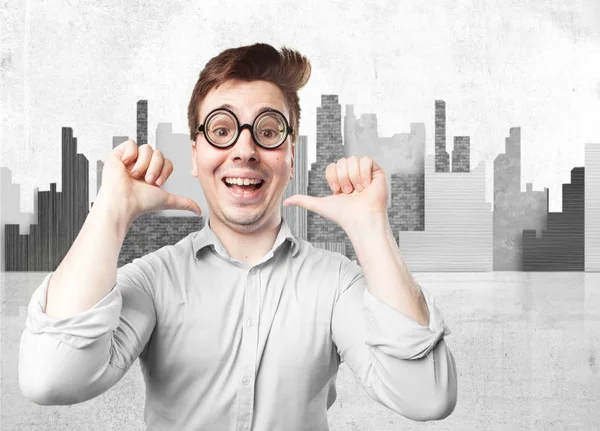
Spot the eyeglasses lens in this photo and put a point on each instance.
(222, 129)
(270, 129)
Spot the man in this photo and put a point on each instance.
(240, 325)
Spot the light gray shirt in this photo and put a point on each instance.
(226, 346)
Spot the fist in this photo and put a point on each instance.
(132, 177)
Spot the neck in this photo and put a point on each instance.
(250, 243)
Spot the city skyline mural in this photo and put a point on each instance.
(438, 209)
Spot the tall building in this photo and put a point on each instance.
(60, 216)
(461, 154)
(592, 207)
(177, 147)
(401, 153)
(442, 159)
(10, 212)
(151, 231)
(320, 231)
(116, 141)
(295, 216)
(458, 224)
(142, 122)
(407, 203)
(402, 158)
(514, 210)
(561, 246)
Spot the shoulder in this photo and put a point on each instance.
(320, 260)
(172, 255)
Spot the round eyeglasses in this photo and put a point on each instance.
(222, 129)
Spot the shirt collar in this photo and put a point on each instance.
(206, 237)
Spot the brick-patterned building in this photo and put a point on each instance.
(150, 232)
(461, 154)
(142, 122)
(322, 232)
(407, 209)
(442, 159)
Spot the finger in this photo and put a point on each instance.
(143, 159)
(354, 172)
(366, 169)
(167, 170)
(182, 203)
(155, 167)
(127, 151)
(342, 173)
(332, 179)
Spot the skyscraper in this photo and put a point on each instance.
(295, 216)
(142, 122)
(322, 232)
(442, 158)
(592, 207)
(461, 154)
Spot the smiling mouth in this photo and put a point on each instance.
(248, 188)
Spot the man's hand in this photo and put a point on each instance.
(359, 189)
(131, 180)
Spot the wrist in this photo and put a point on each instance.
(116, 211)
(368, 223)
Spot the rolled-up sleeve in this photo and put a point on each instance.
(74, 359)
(401, 364)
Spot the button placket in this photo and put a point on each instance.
(248, 350)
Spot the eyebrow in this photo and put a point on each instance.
(232, 108)
(228, 106)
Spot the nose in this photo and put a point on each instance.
(245, 148)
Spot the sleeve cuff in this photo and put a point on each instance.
(397, 335)
(79, 330)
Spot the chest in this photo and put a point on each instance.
(281, 324)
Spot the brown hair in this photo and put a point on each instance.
(287, 69)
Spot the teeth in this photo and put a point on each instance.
(242, 181)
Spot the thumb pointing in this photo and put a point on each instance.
(303, 201)
(182, 203)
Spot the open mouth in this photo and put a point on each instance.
(241, 189)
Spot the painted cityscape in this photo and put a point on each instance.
(437, 209)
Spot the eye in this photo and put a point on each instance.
(221, 132)
(269, 133)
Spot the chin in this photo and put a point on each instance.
(242, 217)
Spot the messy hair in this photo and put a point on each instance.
(287, 69)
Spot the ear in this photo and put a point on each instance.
(293, 157)
(194, 167)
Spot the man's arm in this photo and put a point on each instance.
(76, 358)
(402, 364)
(88, 321)
(387, 275)
(397, 351)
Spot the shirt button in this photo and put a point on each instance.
(249, 322)
(253, 271)
(246, 381)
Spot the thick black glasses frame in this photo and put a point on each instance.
(288, 130)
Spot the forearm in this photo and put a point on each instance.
(89, 270)
(387, 275)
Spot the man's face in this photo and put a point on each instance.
(241, 208)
